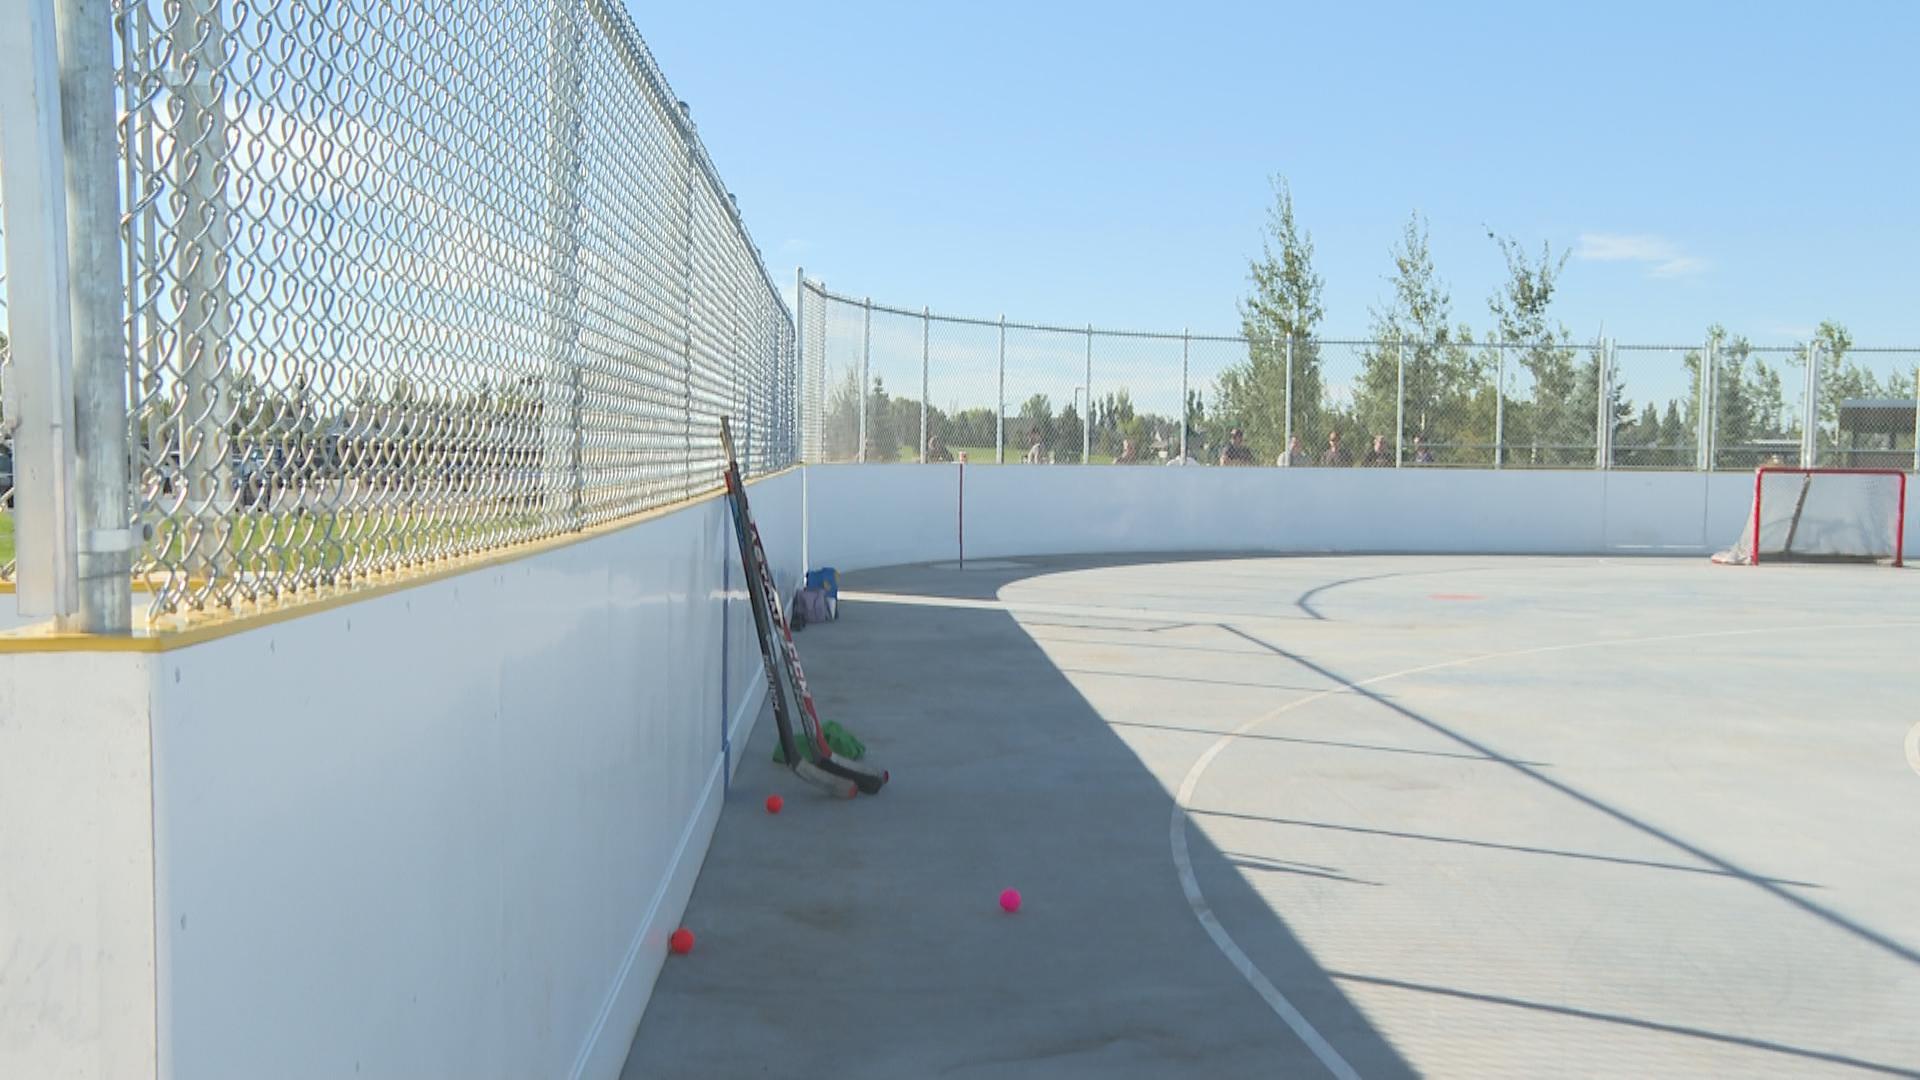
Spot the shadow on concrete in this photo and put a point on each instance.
(1634, 1022)
(1488, 845)
(864, 939)
(1370, 748)
(1773, 887)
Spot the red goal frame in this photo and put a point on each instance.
(1899, 515)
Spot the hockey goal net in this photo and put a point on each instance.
(1823, 514)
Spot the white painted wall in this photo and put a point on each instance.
(440, 832)
(445, 831)
(868, 515)
(76, 866)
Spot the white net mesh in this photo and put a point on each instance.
(1821, 514)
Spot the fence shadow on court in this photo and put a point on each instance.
(864, 938)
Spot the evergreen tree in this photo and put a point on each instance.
(1067, 435)
(1443, 374)
(1676, 438)
(1284, 304)
(1036, 415)
(843, 419)
(883, 437)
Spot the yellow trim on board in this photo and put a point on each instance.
(184, 631)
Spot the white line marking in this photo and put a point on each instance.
(1183, 863)
(1072, 611)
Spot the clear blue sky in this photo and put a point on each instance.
(1752, 164)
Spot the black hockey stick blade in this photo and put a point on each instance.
(838, 787)
(869, 779)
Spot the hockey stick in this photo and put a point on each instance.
(838, 775)
(783, 721)
(869, 779)
(1793, 523)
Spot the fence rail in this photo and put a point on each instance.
(400, 287)
(885, 383)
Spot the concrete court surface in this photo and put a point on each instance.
(1442, 816)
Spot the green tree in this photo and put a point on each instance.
(1067, 435)
(1840, 378)
(843, 419)
(1558, 417)
(1115, 417)
(1036, 415)
(1747, 399)
(1676, 437)
(971, 428)
(1443, 375)
(1636, 443)
(1284, 305)
(883, 438)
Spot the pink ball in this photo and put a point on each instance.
(1010, 900)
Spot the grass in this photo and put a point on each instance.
(333, 539)
(293, 542)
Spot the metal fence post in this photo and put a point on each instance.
(1399, 401)
(1499, 404)
(1286, 425)
(1916, 418)
(39, 399)
(1000, 412)
(1810, 431)
(866, 357)
(1086, 422)
(1603, 432)
(1703, 438)
(926, 352)
(105, 536)
(1186, 345)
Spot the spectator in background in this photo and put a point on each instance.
(1129, 453)
(1036, 452)
(1378, 456)
(1294, 454)
(1236, 452)
(1422, 453)
(937, 449)
(1336, 456)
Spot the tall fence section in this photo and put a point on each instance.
(400, 285)
(890, 384)
(391, 290)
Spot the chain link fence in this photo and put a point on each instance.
(398, 293)
(6, 419)
(938, 386)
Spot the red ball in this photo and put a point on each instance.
(1010, 901)
(682, 941)
(774, 803)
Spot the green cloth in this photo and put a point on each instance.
(841, 741)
